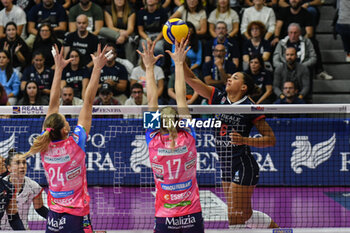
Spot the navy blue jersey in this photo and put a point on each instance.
(74, 79)
(151, 22)
(6, 193)
(232, 48)
(250, 49)
(240, 123)
(43, 79)
(114, 73)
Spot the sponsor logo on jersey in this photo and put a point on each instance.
(57, 160)
(177, 151)
(70, 175)
(61, 194)
(177, 196)
(190, 164)
(180, 221)
(178, 186)
(159, 176)
(63, 201)
(53, 223)
(158, 168)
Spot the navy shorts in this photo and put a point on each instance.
(67, 223)
(192, 223)
(242, 169)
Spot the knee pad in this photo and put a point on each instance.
(258, 220)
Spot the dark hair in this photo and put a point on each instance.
(38, 38)
(260, 59)
(80, 65)
(12, 153)
(8, 69)
(252, 88)
(193, 37)
(261, 26)
(9, 24)
(199, 7)
(109, 44)
(37, 52)
(136, 85)
(25, 94)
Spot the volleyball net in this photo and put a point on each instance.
(304, 178)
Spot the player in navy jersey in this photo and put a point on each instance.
(240, 171)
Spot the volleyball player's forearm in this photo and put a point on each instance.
(56, 88)
(91, 90)
(152, 96)
(180, 87)
(265, 141)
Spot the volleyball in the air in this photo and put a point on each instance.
(175, 29)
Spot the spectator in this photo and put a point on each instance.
(75, 75)
(32, 96)
(93, 12)
(343, 26)
(150, 21)
(46, 12)
(16, 46)
(115, 74)
(216, 71)
(261, 13)
(137, 97)
(44, 41)
(292, 71)
(82, 40)
(232, 49)
(289, 94)
(306, 54)
(310, 6)
(68, 98)
(270, 3)
(12, 13)
(105, 97)
(9, 77)
(256, 45)
(26, 5)
(193, 11)
(3, 96)
(262, 78)
(195, 52)
(120, 20)
(37, 72)
(224, 13)
(138, 75)
(295, 13)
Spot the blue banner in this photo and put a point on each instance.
(308, 151)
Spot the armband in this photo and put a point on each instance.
(42, 211)
(15, 222)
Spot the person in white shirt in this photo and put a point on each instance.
(137, 97)
(12, 13)
(261, 13)
(28, 191)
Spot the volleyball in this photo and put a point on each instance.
(175, 29)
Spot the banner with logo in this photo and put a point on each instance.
(310, 151)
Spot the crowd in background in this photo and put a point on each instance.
(272, 40)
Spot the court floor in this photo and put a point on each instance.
(132, 208)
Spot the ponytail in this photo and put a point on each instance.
(169, 117)
(53, 125)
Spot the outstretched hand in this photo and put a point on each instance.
(179, 55)
(60, 62)
(148, 57)
(100, 59)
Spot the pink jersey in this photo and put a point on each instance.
(174, 174)
(64, 164)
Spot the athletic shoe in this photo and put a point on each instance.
(324, 75)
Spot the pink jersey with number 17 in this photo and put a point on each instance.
(174, 171)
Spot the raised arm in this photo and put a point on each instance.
(85, 116)
(60, 63)
(149, 60)
(179, 57)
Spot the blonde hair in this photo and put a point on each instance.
(126, 12)
(52, 125)
(217, 13)
(169, 116)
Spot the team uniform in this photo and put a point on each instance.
(177, 204)
(6, 193)
(30, 190)
(237, 163)
(68, 198)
